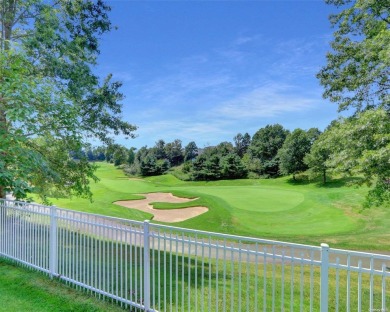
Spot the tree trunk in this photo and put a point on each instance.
(324, 176)
(7, 19)
(3, 209)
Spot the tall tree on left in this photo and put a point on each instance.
(51, 102)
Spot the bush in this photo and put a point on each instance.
(132, 170)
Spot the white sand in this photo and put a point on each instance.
(164, 215)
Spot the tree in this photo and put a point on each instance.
(110, 151)
(120, 156)
(190, 151)
(207, 167)
(356, 77)
(317, 158)
(174, 152)
(159, 150)
(222, 149)
(241, 143)
(360, 146)
(99, 153)
(357, 72)
(232, 167)
(51, 103)
(148, 166)
(131, 156)
(293, 151)
(265, 145)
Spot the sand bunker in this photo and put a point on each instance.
(164, 215)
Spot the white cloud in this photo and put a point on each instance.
(211, 97)
(266, 101)
(246, 39)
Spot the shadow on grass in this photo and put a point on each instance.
(337, 183)
(330, 183)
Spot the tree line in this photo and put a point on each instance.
(271, 152)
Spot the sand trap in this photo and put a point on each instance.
(164, 215)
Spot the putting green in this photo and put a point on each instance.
(275, 208)
(255, 198)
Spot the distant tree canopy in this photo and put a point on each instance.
(294, 149)
(241, 143)
(265, 145)
(190, 151)
(219, 162)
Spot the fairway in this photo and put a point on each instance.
(255, 198)
(275, 208)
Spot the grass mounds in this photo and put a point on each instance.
(279, 208)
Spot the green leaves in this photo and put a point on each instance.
(294, 149)
(360, 146)
(358, 69)
(357, 77)
(265, 145)
(51, 103)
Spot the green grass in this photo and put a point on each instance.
(27, 290)
(275, 208)
(183, 283)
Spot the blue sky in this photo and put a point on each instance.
(204, 71)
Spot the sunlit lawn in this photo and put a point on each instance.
(274, 208)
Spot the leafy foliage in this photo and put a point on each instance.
(293, 151)
(265, 145)
(316, 159)
(356, 76)
(50, 101)
(190, 151)
(241, 143)
(357, 71)
(360, 146)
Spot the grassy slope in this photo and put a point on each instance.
(277, 208)
(27, 290)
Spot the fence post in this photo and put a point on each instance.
(146, 266)
(53, 249)
(324, 288)
(3, 218)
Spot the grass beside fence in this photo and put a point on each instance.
(181, 279)
(22, 289)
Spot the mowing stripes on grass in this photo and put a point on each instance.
(330, 213)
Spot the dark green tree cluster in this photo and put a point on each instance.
(272, 151)
(162, 156)
(262, 157)
(219, 162)
(114, 153)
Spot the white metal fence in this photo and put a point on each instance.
(154, 267)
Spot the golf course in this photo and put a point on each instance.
(280, 209)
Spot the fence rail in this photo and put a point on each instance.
(153, 267)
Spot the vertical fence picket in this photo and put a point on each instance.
(146, 266)
(324, 295)
(53, 255)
